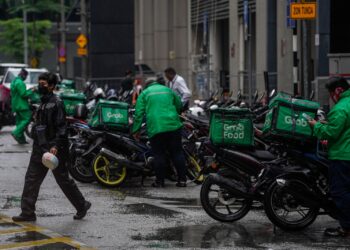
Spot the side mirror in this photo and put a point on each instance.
(312, 95)
(239, 95)
(213, 107)
(256, 95)
(272, 93)
(261, 97)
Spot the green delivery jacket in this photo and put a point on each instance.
(162, 107)
(19, 95)
(337, 130)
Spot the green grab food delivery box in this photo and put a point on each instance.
(231, 126)
(285, 118)
(110, 114)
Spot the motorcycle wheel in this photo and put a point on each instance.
(105, 175)
(80, 171)
(219, 204)
(194, 170)
(279, 204)
(28, 130)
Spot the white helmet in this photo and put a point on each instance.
(50, 161)
(99, 92)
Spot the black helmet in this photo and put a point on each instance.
(81, 111)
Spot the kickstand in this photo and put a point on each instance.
(274, 229)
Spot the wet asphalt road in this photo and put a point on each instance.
(144, 218)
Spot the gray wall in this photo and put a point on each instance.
(161, 34)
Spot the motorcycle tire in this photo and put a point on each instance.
(102, 172)
(211, 209)
(81, 172)
(275, 192)
(194, 170)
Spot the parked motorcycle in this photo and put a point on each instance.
(294, 200)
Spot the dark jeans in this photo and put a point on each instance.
(339, 179)
(168, 142)
(35, 176)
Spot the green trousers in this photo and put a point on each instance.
(23, 118)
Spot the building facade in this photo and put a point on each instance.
(243, 45)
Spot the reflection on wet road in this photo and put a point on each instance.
(239, 236)
(26, 236)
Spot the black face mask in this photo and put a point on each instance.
(43, 90)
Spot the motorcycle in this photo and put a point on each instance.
(121, 157)
(82, 151)
(294, 200)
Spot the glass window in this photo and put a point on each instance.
(10, 76)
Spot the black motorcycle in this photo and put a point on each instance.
(82, 151)
(295, 198)
(122, 157)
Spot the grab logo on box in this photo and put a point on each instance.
(299, 122)
(234, 131)
(115, 116)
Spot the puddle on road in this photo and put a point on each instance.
(237, 235)
(148, 209)
(8, 225)
(51, 246)
(22, 237)
(11, 201)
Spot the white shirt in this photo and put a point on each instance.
(179, 86)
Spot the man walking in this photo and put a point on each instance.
(337, 131)
(20, 106)
(50, 135)
(162, 108)
(179, 86)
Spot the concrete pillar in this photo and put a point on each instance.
(261, 43)
(234, 46)
(160, 12)
(147, 31)
(284, 50)
(179, 39)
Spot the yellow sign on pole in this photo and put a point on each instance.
(81, 41)
(34, 62)
(62, 59)
(82, 51)
(303, 10)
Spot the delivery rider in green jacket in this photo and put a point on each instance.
(162, 107)
(337, 131)
(20, 106)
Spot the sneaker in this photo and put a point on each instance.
(336, 232)
(20, 141)
(23, 218)
(181, 184)
(81, 214)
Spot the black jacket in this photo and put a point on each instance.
(52, 114)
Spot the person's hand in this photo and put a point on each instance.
(312, 122)
(53, 150)
(34, 89)
(137, 136)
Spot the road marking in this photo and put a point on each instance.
(23, 235)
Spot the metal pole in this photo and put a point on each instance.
(62, 48)
(295, 60)
(83, 17)
(25, 35)
(305, 60)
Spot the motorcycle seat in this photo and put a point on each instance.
(262, 155)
